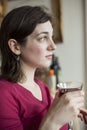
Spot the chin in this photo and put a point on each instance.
(46, 65)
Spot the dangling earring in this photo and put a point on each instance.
(18, 58)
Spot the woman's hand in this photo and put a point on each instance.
(83, 115)
(66, 107)
(63, 109)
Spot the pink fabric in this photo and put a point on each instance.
(65, 127)
(19, 109)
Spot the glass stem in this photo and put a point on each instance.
(70, 126)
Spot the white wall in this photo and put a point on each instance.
(86, 55)
(16, 3)
(71, 52)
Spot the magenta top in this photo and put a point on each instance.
(19, 109)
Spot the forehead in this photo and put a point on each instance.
(43, 27)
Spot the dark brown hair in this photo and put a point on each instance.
(18, 24)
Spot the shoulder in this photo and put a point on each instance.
(7, 91)
(5, 85)
(8, 98)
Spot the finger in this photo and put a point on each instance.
(84, 113)
(83, 110)
(80, 116)
(57, 94)
(85, 118)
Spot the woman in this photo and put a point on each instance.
(25, 103)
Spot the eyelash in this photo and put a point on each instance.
(44, 38)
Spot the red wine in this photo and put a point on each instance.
(65, 90)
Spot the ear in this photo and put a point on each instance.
(14, 46)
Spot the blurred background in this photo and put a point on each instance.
(70, 38)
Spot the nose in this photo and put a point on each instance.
(52, 45)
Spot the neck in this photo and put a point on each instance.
(29, 73)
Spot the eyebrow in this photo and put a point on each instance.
(41, 33)
(44, 33)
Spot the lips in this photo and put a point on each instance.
(49, 56)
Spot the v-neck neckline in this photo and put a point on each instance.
(31, 94)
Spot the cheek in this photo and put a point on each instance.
(38, 50)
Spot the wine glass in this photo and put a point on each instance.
(71, 86)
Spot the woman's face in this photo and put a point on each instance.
(39, 48)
